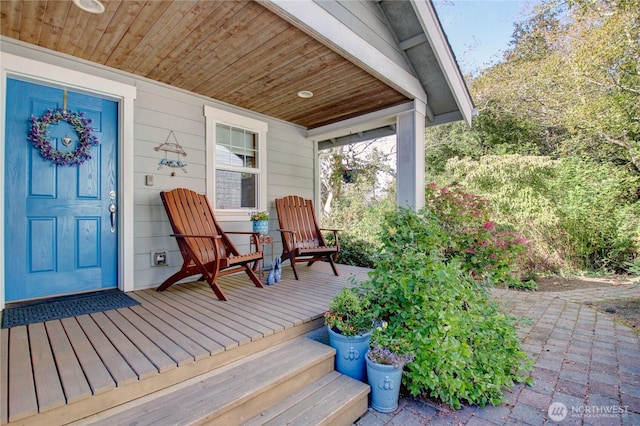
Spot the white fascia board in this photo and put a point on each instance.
(372, 120)
(431, 26)
(316, 20)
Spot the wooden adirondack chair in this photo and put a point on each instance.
(204, 246)
(302, 239)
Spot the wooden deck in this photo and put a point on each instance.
(64, 370)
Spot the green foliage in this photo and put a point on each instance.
(466, 348)
(355, 251)
(633, 268)
(450, 140)
(260, 215)
(387, 349)
(349, 313)
(360, 218)
(564, 104)
(489, 252)
(573, 78)
(598, 208)
(525, 285)
(576, 214)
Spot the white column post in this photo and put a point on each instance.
(410, 142)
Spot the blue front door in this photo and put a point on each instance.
(59, 235)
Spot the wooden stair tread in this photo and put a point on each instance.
(322, 402)
(212, 395)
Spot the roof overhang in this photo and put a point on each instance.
(436, 81)
(258, 55)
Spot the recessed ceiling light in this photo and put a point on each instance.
(305, 94)
(91, 6)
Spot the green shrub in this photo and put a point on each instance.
(355, 251)
(490, 252)
(466, 348)
(575, 214)
(599, 211)
(349, 313)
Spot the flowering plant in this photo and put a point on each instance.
(388, 350)
(39, 135)
(260, 216)
(488, 251)
(348, 313)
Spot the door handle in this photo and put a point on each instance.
(113, 209)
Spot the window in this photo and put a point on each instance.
(236, 160)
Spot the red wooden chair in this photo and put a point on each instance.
(204, 246)
(302, 239)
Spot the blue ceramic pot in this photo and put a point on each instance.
(261, 226)
(385, 385)
(350, 353)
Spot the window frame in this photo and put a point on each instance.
(213, 117)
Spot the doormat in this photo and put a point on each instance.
(65, 307)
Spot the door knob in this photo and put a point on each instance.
(113, 209)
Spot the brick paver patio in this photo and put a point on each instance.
(583, 359)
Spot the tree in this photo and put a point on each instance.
(573, 78)
(361, 169)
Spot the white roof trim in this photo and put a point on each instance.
(315, 19)
(373, 120)
(432, 28)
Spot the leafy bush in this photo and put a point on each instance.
(466, 349)
(599, 211)
(355, 251)
(576, 214)
(360, 220)
(491, 253)
(349, 313)
(387, 349)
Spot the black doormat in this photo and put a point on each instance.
(64, 307)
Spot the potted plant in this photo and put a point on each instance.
(260, 221)
(385, 360)
(348, 322)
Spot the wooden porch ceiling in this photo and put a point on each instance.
(235, 51)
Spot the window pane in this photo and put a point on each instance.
(251, 148)
(236, 147)
(226, 157)
(235, 190)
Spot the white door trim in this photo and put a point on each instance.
(124, 94)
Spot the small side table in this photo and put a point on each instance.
(265, 240)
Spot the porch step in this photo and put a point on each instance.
(335, 399)
(292, 383)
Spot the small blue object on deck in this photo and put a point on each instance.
(278, 270)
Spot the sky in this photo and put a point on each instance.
(479, 31)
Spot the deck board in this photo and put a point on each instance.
(48, 387)
(197, 331)
(158, 358)
(173, 328)
(243, 314)
(292, 310)
(136, 359)
(117, 366)
(97, 374)
(114, 356)
(238, 333)
(72, 377)
(4, 372)
(22, 402)
(196, 318)
(178, 355)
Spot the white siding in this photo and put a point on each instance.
(160, 109)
